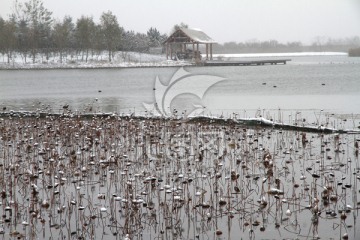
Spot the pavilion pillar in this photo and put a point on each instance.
(193, 50)
(197, 51)
(207, 51)
(167, 51)
(171, 53)
(211, 55)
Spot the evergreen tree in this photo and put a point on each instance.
(154, 37)
(84, 35)
(111, 32)
(7, 38)
(62, 35)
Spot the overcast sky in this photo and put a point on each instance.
(223, 20)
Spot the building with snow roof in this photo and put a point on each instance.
(178, 42)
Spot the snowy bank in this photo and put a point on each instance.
(129, 60)
(120, 60)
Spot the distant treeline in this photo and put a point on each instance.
(31, 32)
(354, 52)
(319, 45)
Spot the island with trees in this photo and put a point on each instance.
(31, 34)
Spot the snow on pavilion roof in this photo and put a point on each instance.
(191, 35)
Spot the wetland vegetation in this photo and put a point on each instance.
(101, 177)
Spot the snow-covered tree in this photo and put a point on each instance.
(111, 32)
(84, 35)
(38, 20)
(154, 37)
(7, 38)
(62, 35)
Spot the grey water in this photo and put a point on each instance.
(312, 85)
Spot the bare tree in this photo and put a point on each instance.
(38, 20)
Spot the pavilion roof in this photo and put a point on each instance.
(189, 35)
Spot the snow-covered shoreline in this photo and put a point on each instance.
(49, 66)
(120, 60)
(132, 60)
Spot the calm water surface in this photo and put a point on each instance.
(306, 83)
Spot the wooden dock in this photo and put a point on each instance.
(246, 63)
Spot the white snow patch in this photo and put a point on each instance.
(120, 59)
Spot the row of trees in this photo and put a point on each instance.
(31, 31)
(319, 44)
(354, 52)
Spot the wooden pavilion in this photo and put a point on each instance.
(178, 42)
